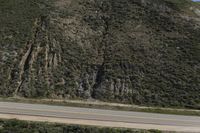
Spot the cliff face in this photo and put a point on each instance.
(131, 51)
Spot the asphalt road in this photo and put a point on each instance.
(92, 116)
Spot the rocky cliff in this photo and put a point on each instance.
(132, 51)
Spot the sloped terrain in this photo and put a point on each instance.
(130, 51)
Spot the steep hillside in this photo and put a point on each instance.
(132, 51)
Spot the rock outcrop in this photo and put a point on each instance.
(130, 51)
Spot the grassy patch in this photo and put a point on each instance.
(16, 126)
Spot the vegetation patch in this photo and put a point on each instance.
(16, 126)
(144, 52)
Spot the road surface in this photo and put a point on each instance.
(98, 117)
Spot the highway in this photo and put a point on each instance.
(99, 117)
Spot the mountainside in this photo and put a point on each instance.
(131, 51)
